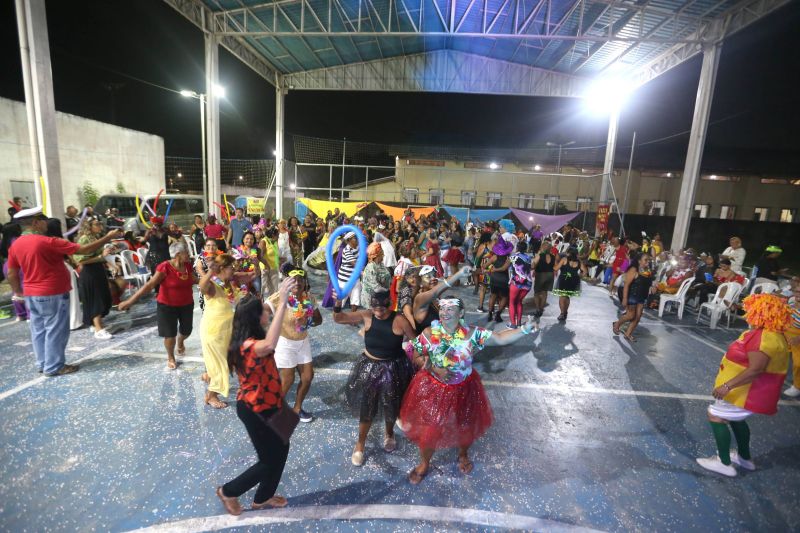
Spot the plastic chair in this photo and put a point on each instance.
(191, 246)
(661, 274)
(726, 295)
(75, 316)
(142, 253)
(130, 270)
(765, 288)
(677, 298)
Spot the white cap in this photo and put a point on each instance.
(30, 212)
(349, 235)
(426, 269)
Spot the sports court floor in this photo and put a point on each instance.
(592, 433)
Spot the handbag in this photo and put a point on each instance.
(283, 422)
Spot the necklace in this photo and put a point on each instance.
(226, 288)
(183, 276)
(302, 311)
(442, 336)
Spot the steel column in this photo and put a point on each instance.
(212, 122)
(697, 140)
(608, 164)
(280, 108)
(40, 103)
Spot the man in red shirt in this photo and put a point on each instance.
(47, 285)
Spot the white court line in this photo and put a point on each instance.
(571, 389)
(10, 322)
(31, 383)
(454, 515)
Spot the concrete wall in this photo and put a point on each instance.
(512, 182)
(92, 152)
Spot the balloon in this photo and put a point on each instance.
(342, 292)
(227, 203)
(222, 210)
(141, 216)
(76, 228)
(155, 202)
(166, 213)
(44, 195)
(144, 203)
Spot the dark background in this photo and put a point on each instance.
(98, 46)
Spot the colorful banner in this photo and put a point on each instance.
(601, 224)
(397, 212)
(321, 207)
(255, 206)
(548, 223)
(477, 216)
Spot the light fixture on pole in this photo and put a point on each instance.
(219, 91)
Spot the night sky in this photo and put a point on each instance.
(98, 47)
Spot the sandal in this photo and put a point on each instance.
(215, 402)
(272, 503)
(205, 377)
(231, 504)
(415, 477)
(465, 465)
(615, 328)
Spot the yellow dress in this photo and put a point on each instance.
(215, 336)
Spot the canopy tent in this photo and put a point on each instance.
(321, 207)
(464, 214)
(397, 212)
(549, 223)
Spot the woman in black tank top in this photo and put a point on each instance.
(382, 373)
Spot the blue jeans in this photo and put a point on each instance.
(49, 322)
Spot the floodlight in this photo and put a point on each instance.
(494, 166)
(292, 186)
(219, 91)
(607, 95)
(188, 94)
(537, 168)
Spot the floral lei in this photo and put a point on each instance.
(228, 290)
(249, 259)
(301, 310)
(440, 336)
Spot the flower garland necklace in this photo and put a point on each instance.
(228, 289)
(440, 336)
(302, 311)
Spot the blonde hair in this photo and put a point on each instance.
(224, 260)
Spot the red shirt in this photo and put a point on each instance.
(176, 289)
(259, 381)
(215, 231)
(41, 260)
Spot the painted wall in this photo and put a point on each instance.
(452, 178)
(103, 155)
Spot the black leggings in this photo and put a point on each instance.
(272, 454)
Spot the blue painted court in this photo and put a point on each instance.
(592, 433)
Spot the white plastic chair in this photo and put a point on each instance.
(726, 295)
(130, 270)
(677, 298)
(765, 288)
(75, 316)
(142, 253)
(190, 245)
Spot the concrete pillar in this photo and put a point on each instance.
(37, 77)
(212, 122)
(280, 108)
(697, 140)
(608, 164)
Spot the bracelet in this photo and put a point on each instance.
(337, 308)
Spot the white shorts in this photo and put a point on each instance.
(728, 411)
(289, 353)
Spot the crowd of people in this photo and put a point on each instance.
(416, 369)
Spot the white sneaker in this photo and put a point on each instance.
(357, 458)
(91, 329)
(792, 392)
(715, 465)
(102, 334)
(744, 463)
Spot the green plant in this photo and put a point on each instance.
(88, 194)
(121, 188)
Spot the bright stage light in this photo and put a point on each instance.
(494, 166)
(219, 91)
(188, 94)
(292, 186)
(537, 168)
(607, 95)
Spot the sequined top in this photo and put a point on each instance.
(452, 352)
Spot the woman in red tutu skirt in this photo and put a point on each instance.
(445, 406)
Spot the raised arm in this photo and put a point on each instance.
(267, 345)
(353, 318)
(510, 336)
(424, 299)
(86, 249)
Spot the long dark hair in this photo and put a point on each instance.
(246, 325)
